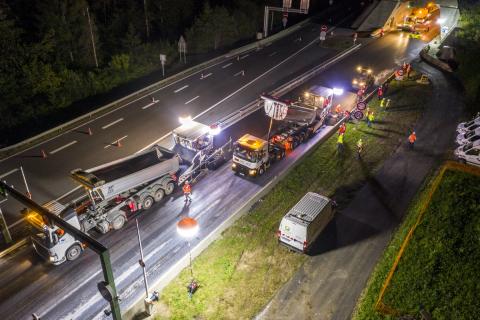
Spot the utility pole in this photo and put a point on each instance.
(91, 36)
(146, 18)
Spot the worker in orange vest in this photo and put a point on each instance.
(342, 129)
(411, 139)
(187, 191)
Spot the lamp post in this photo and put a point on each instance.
(188, 228)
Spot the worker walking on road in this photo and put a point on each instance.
(187, 191)
(359, 148)
(411, 139)
(340, 143)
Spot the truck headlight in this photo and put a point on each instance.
(51, 259)
(252, 172)
(234, 165)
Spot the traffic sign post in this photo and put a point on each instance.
(182, 48)
(355, 35)
(284, 22)
(361, 105)
(358, 115)
(324, 28)
(163, 59)
(323, 35)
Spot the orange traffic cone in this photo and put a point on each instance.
(44, 154)
(90, 132)
(118, 144)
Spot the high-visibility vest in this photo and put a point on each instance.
(187, 188)
(340, 139)
(412, 138)
(371, 117)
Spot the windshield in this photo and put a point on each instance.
(473, 127)
(468, 124)
(247, 154)
(474, 138)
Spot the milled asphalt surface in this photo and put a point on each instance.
(330, 282)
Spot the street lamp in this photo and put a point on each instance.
(188, 228)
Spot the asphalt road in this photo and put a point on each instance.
(330, 282)
(69, 291)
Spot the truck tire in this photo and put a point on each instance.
(158, 194)
(169, 188)
(118, 221)
(147, 202)
(261, 171)
(73, 252)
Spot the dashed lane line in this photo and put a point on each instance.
(191, 100)
(227, 65)
(63, 147)
(272, 54)
(182, 88)
(112, 123)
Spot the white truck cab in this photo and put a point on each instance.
(303, 223)
(53, 243)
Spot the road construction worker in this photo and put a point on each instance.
(338, 109)
(340, 143)
(409, 69)
(347, 115)
(187, 191)
(359, 148)
(411, 139)
(380, 92)
(342, 129)
(370, 118)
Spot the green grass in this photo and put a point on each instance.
(241, 271)
(439, 267)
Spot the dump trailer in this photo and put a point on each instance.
(253, 155)
(119, 188)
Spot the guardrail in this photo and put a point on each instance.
(117, 104)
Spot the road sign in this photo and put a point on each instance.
(358, 115)
(399, 75)
(163, 59)
(323, 34)
(182, 48)
(285, 14)
(284, 22)
(361, 105)
(324, 28)
(275, 108)
(287, 3)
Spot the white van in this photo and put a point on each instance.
(304, 222)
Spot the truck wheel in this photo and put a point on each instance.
(261, 171)
(147, 202)
(158, 194)
(73, 252)
(118, 222)
(169, 188)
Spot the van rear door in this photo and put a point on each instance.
(292, 234)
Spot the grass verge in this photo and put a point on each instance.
(241, 271)
(439, 266)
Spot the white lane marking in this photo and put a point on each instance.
(244, 56)
(9, 172)
(207, 75)
(114, 142)
(268, 44)
(227, 65)
(254, 80)
(149, 105)
(63, 147)
(112, 123)
(272, 54)
(239, 73)
(180, 89)
(193, 99)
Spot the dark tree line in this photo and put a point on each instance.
(55, 52)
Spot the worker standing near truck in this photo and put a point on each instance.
(411, 139)
(359, 148)
(340, 143)
(187, 191)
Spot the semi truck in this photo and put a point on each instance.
(118, 190)
(252, 155)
